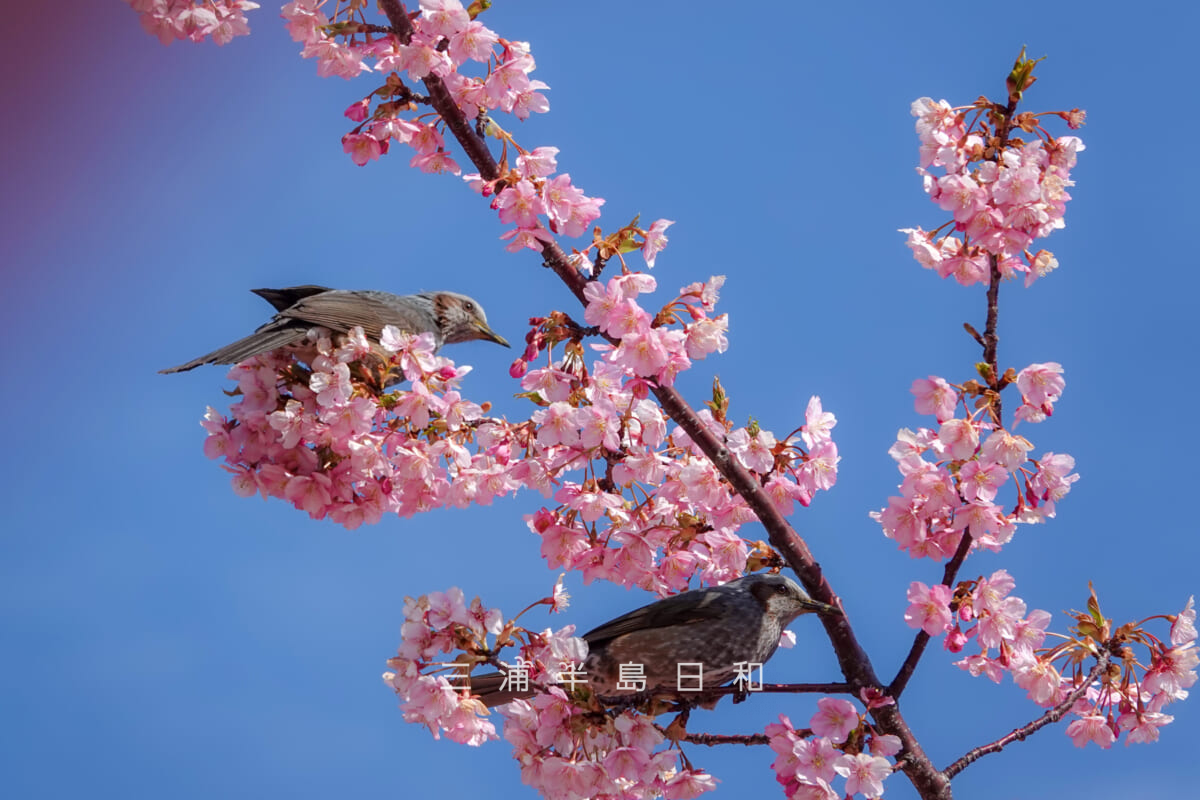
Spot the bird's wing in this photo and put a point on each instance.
(682, 609)
(341, 311)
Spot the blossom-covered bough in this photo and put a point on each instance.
(647, 490)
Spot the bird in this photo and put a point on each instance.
(718, 627)
(451, 317)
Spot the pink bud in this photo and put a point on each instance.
(358, 111)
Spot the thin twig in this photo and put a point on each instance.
(1051, 716)
(714, 739)
(786, 688)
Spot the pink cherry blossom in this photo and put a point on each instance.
(930, 608)
(815, 758)
(528, 100)
(443, 17)
(569, 209)
(961, 195)
(474, 42)
(1041, 385)
(835, 719)
(935, 396)
(1173, 672)
(818, 423)
(521, 204)
(754, 452)
(1040, 679)
(864, 773)
(1183, 626)
(363, 148)
(1005, 449)
(526, 239)
(656, 240)
(304, 19)
(1142, 727)
(959, 437)
(1091, 728)
(980, 482)
(707, 336)
(538, 163)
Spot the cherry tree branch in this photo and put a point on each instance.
(714, 739)
(896, 687)
(855, 664)
(1053, 715)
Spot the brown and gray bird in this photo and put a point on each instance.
(719, 626)
(449, 316)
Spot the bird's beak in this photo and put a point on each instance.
(487, 333)
(817, 607)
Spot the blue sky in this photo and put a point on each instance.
(165, 636)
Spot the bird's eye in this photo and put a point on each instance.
(469, 306)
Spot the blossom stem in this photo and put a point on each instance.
(714, 739)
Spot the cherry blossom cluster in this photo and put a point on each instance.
(325, 439)
(561, 755)
(652, 510)
(953, 474)
(434, 624)
(649, 509)
(1001, 200)
(839, 743)
(527, 194)
(566, 757)
(539, 204)
(194, 19)
(1127, 702)
(1118, 701)
(996, 620)
(432, 687)
(445, 40)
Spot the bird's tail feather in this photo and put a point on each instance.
(283, 299)
(252, 345)
(488, 688)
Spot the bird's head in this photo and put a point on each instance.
(782, 598)
(461, 319)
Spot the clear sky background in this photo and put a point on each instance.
(163, 637)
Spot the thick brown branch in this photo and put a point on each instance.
(1051, 716)
(854, 662)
